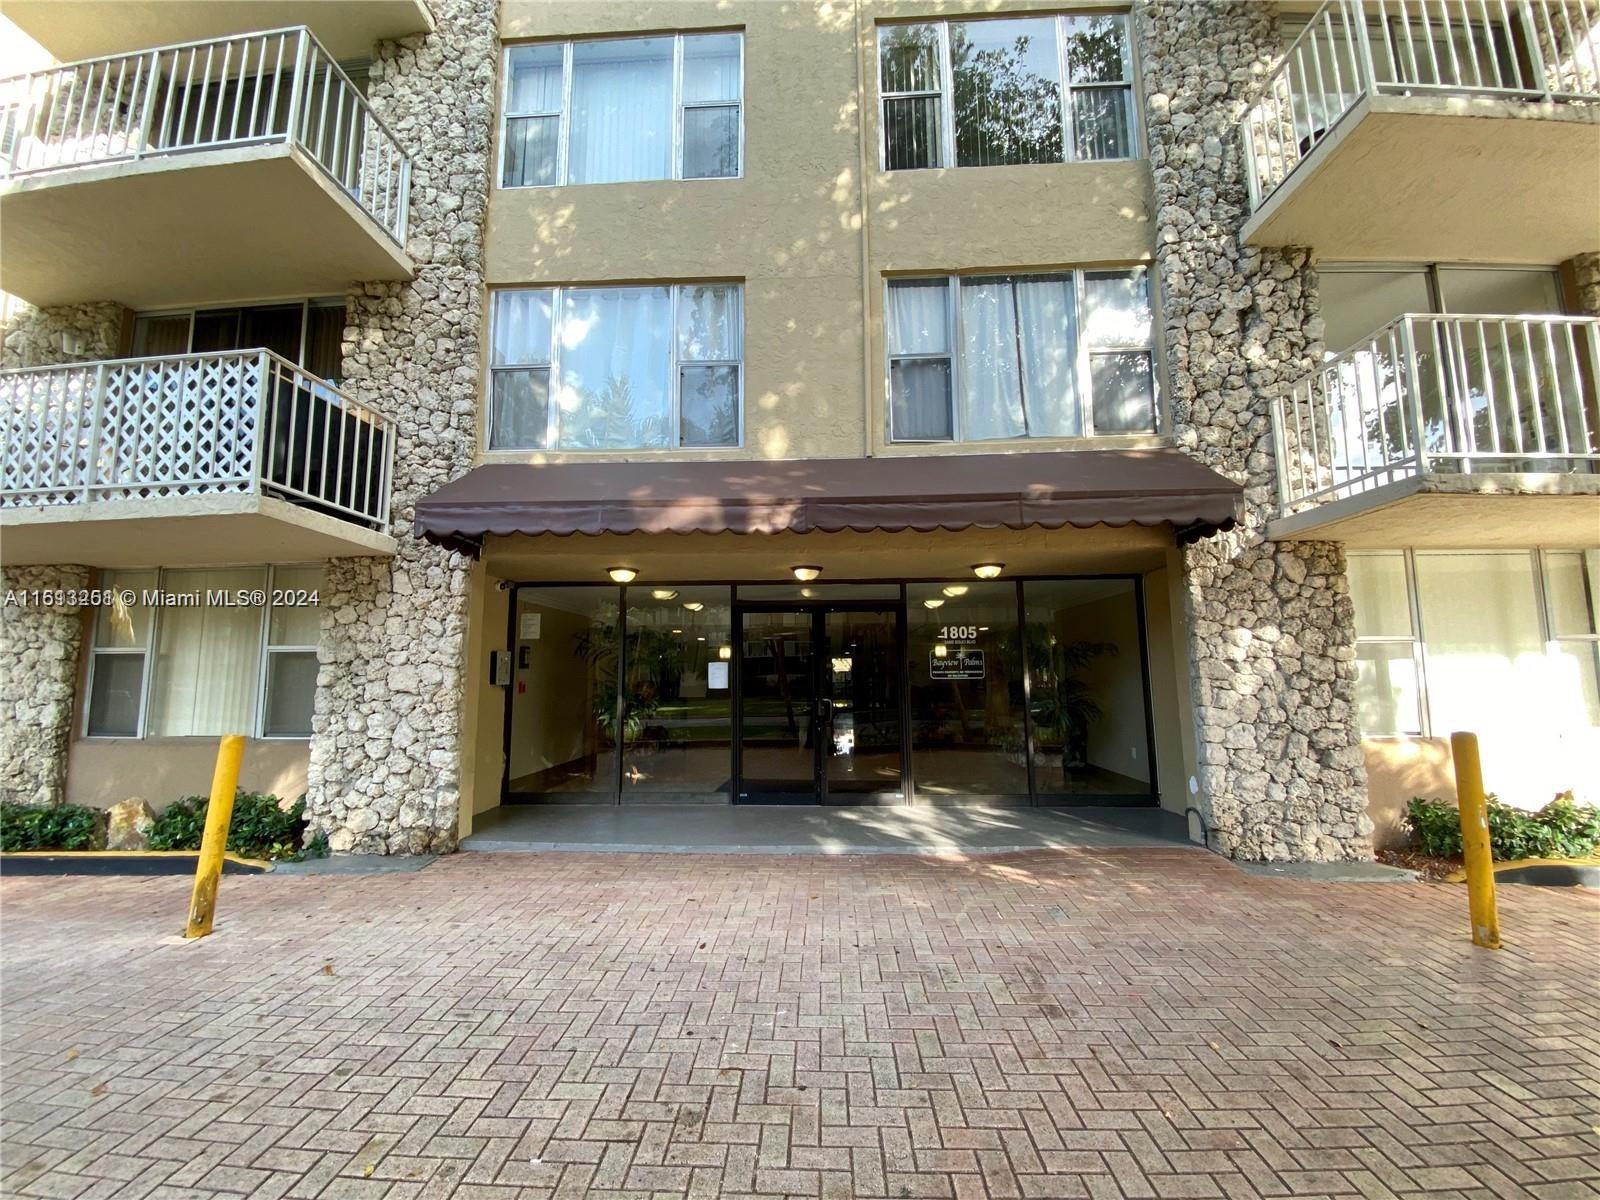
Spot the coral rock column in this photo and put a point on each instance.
(385, 747)
(1271, 637)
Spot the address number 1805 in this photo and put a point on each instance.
(956, 633)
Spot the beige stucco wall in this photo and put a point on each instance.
(813, 226)
(103, 771)
(1524, 774)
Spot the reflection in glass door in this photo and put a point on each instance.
(777, 707)
(861, 745)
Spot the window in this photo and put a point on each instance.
(188, 653)
(1358, 300)
(993, 92)
(1502, 641)
(977, 358)
(619, 110)
(617, 368)
(308, 333)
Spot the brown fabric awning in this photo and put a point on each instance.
(954, 491)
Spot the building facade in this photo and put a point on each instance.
(486, 404)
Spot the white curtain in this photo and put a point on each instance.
(991, 400)
(535, 79)
(1048, 324)
(708, 323)
(616, 361)
(207, 659)
(710, 68)
(917, 317)
(621, 120)
(521, 328)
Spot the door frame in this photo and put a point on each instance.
(818, 611)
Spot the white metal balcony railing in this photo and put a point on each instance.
(1429, 393)
(259, 89)
(244, 422)
(1352, 49)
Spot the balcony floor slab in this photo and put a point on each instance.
(182, 531)
(1457, 512)
(200, 227)
(1443, 179)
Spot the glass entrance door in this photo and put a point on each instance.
(819, 709)
(777, 707)
(862, 751)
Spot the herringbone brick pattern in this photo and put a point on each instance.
(1053, 1024)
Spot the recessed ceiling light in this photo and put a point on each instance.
(693, 605)
(663, 594)
(622, 574)
(955, 589)
(806, 574)
(988, 570)
(934, 603)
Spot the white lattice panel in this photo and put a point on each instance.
(183, 428)
(48, 431)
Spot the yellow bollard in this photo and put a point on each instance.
(1475, 840)
(219, 815)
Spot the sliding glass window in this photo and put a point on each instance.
(619, 110)
(981, 358)
(617, 368)
(1000, 92)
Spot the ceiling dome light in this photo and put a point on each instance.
(806, 574)
(693, 605)
(934, 603)
(622, 574)
(954, 590)
(663, 594)
(988, 570)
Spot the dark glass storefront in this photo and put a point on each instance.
(1014, 692)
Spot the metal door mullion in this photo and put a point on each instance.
(908, 782)
(621, 738)
(736, 699)
(819, 647)
(1027, 696)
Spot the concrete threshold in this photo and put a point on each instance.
(783, 829)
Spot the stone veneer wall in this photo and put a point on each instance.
(1586, 274)
(384, 774)
(1271, 632)
(40, 644)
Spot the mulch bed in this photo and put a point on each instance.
(1431, 869)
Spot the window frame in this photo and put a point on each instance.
(1082, 354)
(306, 303)
(265, 647)
(564, 115)
(946, 93)
(552, 367)
(1536, 560)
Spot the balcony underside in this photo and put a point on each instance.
(1412, 179)
(210, 530)
(1464, 512)
(79, 29)
(193, 228)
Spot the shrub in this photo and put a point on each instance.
(50, 827)
(1561, 829)
(260, 827)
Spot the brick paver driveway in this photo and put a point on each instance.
(1135, 1023)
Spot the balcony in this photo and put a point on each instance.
(255, 156)
(1432, 130)
(1458, 431)
(90, 28)
(196, 459)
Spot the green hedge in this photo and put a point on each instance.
(51, 827)
(1561, 829)
(260, 828)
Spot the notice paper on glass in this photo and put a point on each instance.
(528, 630)
(716, 675)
